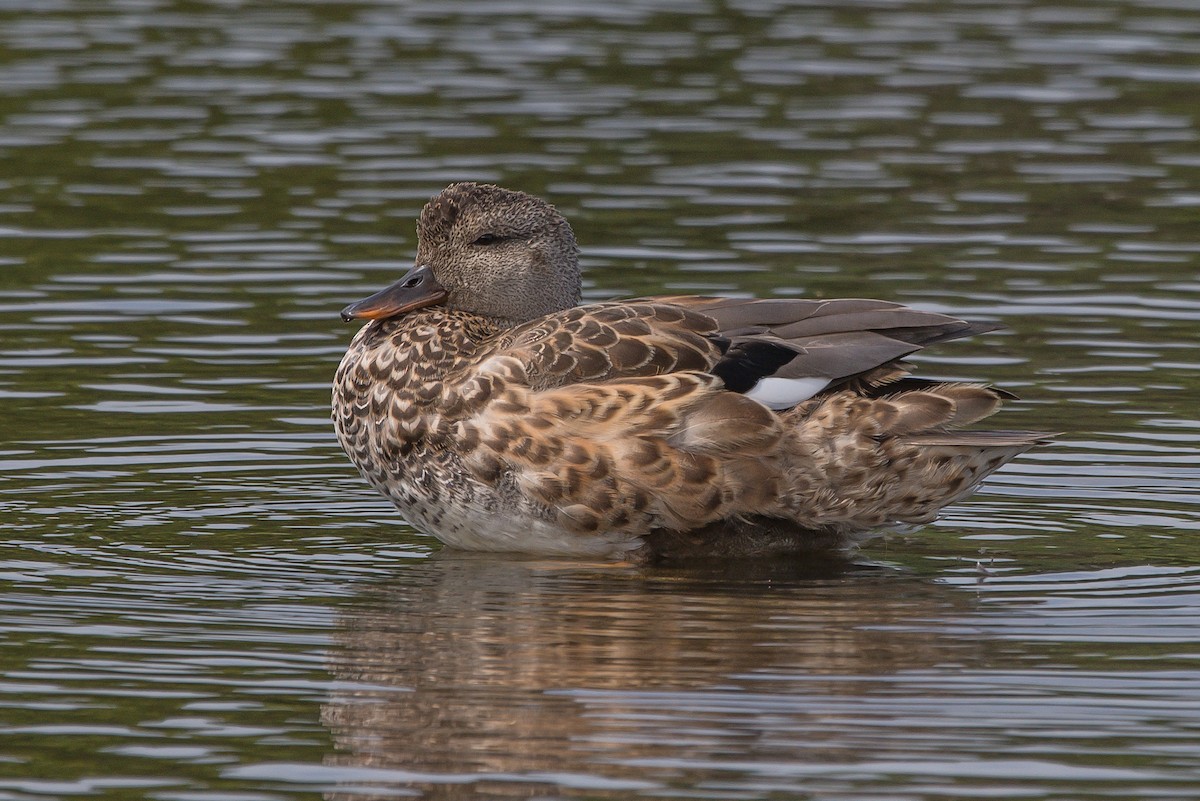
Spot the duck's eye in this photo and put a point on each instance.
(488, 239)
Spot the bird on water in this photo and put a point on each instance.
(498, 414)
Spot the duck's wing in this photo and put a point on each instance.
(784, 351)
(778, 351)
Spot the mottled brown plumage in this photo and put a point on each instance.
(499, 415)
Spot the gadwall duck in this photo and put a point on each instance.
(499, 415)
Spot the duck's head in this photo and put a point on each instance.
(495, 252)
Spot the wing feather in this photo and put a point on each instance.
(835, 340)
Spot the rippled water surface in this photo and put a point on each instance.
(202, 600)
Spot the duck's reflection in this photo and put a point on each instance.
(510, 674)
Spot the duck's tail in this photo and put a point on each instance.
(868, 460)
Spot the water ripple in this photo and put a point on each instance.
(201, 591)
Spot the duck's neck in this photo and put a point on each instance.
(489, 325)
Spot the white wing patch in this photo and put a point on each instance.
(784, 393)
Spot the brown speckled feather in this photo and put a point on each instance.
(610, 340)
(595, 429)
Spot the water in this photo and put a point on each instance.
(202, 600)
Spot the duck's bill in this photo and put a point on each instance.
(416, 290)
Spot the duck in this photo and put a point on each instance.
(498, 413)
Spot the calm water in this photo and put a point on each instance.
(202, 600)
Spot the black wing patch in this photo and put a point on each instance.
(747, 362)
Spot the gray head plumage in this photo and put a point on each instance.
(499, 253)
